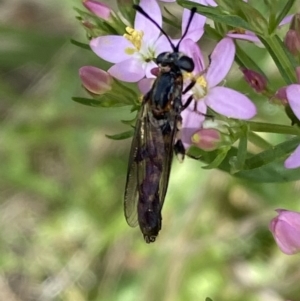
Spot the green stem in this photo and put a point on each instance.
(273, 128)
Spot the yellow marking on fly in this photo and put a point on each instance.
(135, 37)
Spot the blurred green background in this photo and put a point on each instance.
(63, 235)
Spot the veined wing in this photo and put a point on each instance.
(131, 196)
(145, 167)
(169, 136)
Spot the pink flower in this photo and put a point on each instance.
(286, 231)
(222, 100)
(293, 96)
(134, 53)
(99, 9)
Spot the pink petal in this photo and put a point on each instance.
(111, 48)
(145, 85)
(196, 28)
(248, 36)
(292, 217)
(287, 238)
(151, 32)
(168, 0)
(286, 231)
(128, 71)
(293, 97)
(221, 61)
(162, 45)
(230, 103)
(293, 161)
(286, 20)
(206, 2)
(191, 49)
(95, 80)
(99, 9)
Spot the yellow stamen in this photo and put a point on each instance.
(135, 37)
(201, 81)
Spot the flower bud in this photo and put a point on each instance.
(208, 139)
(97, 8)
(281, 95)
(286, 231)
(95, 80)
(256, 80)
(292, 41)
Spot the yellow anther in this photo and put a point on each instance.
(201, 81)
(188, 76)
(134, 36)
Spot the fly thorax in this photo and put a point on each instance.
(200, 88)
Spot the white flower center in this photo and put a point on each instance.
(200, 88)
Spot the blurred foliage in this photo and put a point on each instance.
(63, 235)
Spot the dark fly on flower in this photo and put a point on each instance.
(157, 135)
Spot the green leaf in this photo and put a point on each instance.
(242, 151)
(244, 60)
(129, 122)
(282, 13)
(121, 136)
(217, 15)
(256, 20)
(221, 155)
(104, 102)
(265, 167)
(284, 61)
(81, 45)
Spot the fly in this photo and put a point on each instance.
(156, 137)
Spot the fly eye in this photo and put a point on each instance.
(186, 63)
(161, 58)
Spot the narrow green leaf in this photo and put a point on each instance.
(282, 13)
(121, 136)
(255, 19)
(245, 61)
(277, 152)
(282, 58)
(221, 155)
(242, 150)
(129, 122)
(105, 102)
(81, 45)
(258, 141)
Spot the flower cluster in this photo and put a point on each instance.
(132, 59)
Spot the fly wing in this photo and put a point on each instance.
(169, 136)
(131, 196)
(145, 166)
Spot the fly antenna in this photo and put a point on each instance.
(141, 11)
(193, 11)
